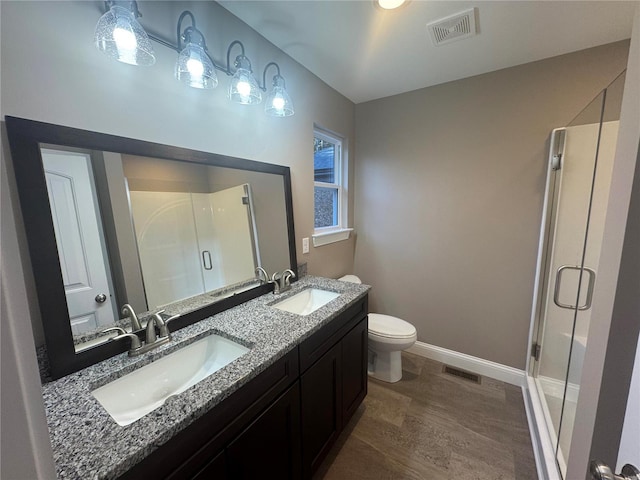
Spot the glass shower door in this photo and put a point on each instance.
(579, 178)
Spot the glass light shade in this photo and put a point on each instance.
(278, 103)
(120, 36)
(195, 69)
(243, 87)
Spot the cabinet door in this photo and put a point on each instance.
(321, 389)
(354, 369)
(215, 469)
(270, 446)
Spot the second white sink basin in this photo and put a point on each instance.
(307, 301)
(132, 396)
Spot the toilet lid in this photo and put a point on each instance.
(391, 327)
(350, 278)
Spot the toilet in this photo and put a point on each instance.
(388, 336)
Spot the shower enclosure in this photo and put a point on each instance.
(578, 179)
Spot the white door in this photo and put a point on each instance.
(81, 248)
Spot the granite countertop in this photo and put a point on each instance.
(88, 443)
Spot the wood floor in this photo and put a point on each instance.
(432, 425)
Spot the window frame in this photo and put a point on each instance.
(340, 231)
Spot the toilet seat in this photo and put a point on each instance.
(386, 326)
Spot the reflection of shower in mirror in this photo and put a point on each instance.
(192, 243)
(151, 232)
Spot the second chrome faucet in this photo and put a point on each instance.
(281, 281)
(152, 340)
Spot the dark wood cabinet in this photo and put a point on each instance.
(331, 391)
(282, 423)
(321, 388)
(216, 468)
(270, 446)
(354, 369)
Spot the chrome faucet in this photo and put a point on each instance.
(287, 275)
(282, 281)
(262, 275)
(135, 341)
(127, 311)
(152, 339)
(163, 325)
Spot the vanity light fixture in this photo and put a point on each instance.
(120, 35)
(194, 67)
(278, 103)
(243, 88)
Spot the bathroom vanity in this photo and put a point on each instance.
(275, 410)
(251, 383)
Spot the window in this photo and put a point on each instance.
(330, 202)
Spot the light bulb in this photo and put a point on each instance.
(125, 39)
(195, 67)
(244, 89)
(278, 103)
(390, 4)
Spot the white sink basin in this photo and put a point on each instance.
(134, 395)
(307, 301)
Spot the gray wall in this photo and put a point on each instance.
(449, 188)
(51, 72)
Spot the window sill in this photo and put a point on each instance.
(325, 238)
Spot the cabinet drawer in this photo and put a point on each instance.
(320, 342)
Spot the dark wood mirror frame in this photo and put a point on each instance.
(25, 139)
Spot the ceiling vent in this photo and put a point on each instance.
(452, 28)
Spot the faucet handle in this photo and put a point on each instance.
(128, 311)
(261, 272)
(164, 324)
(135, 341)
(287, 275)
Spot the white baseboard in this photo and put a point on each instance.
(477, 365)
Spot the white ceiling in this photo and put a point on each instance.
(366, 53)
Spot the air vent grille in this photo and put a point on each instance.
(472, 377)
(452, 28)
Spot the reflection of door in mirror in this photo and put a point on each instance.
(192, 243)
(79, 238)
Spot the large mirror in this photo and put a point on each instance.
(113, 221)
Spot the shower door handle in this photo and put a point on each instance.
(206, 255)
(590, 286)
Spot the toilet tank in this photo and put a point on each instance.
(350, 278)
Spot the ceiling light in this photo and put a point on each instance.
(390, 4)
(119, 35)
